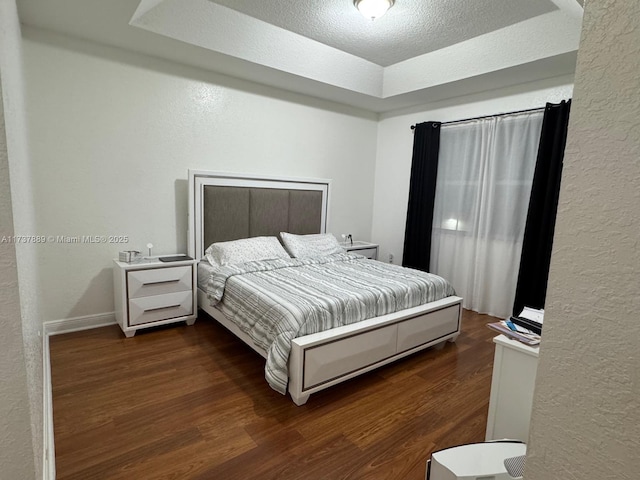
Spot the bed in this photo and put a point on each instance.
(226, 207)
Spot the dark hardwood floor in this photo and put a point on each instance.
(192, 403)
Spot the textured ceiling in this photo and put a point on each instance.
(420, 52)
(410, 28)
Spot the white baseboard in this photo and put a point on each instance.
(76, 324)
(56, 327)
(48, 450)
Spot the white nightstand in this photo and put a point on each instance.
(151, 292)
(369, 250)
(514, 375)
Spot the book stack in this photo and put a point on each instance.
(526, 327)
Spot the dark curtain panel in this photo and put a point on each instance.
(422, 194)
(531, 289)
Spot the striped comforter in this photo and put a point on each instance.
(275, 301)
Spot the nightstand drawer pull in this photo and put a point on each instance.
(160, 308)
(159, 282)
(367, 252)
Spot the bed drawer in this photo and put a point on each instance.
(420, 330)
(160, 307)
(348, 355)
(159, 281)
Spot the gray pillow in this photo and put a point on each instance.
(244, 250)
(320, 244)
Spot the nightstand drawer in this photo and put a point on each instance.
(160, 307)
(367, 252)
(158, 281)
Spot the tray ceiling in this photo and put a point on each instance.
(409, 29)
(418, 53)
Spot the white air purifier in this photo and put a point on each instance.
(478, 461)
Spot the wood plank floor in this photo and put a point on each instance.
(191, 403)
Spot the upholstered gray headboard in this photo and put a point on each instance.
(225, 207)
(231, 213)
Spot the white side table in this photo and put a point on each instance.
(151, 292)
(514, 374)
(369, 250)
(474, 461)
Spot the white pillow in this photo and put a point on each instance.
(245, 250)
(300, 246)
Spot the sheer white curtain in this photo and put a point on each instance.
(485, 170)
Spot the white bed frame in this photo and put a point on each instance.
(323, 359)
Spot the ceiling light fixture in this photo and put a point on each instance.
(373, 8)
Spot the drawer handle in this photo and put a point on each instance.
(161, 282)
(160, 308)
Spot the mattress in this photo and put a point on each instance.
(275, 301)
(205, 270)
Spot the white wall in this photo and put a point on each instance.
(113, 134)
(395, 145)
(586, 416)
(16, 449)
(20, 344)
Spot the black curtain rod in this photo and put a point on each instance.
(489, 116)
